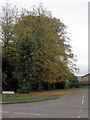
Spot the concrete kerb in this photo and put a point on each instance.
(38, 100)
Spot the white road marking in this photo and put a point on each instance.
(33, 113)
(28, 113)
(19, 113)
(79, 116)
(82, 101)
(81, 109)
(48, 115)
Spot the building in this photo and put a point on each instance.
(85, 78)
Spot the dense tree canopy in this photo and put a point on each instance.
(38, 51)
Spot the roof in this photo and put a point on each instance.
(86, 75)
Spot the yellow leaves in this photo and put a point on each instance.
(49, 71)
(50, 46)
(44, 93)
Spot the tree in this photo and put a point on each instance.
(54, 50)
(74, 82)
(38, 50)
(7, 22)
(67, 84)
(29, 25)
(26, 55)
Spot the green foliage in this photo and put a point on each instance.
(26, 62)
(7, 22)
(73, 79)
(36, 51)
(74, 82)
(67, 84)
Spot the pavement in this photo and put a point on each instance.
(74, 105)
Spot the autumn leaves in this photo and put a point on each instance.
(39, 51)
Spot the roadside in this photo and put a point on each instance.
(34, 96)
(69, 106)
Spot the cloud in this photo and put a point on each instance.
(83, 69)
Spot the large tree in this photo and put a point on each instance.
(25, 70)
(37, 50)
(54, 52)
(7, 21)
(53, 48)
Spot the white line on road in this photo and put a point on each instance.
(81, 109)
(82, 101)
(28, 113)
(19, 113)
(33, 114)
(79, 116)
(42, 114)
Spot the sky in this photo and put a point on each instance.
(74, 14)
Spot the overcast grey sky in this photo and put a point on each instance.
(74, 14)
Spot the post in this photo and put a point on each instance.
(4, 96)
(11, 96)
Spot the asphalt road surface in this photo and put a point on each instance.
(74, 105)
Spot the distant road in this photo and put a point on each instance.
(74, 105)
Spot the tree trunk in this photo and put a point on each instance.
(54, 86)
(48, 86)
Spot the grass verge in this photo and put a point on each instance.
(46, 95)
(31, 99)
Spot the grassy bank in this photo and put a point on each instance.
(35, 96)
(31, 99)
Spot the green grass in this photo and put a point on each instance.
(31, 99)
(39, 97)
(43, 93)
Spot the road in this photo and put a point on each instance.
(74, 105)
